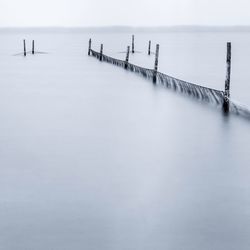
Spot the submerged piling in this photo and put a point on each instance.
(133, 44)
(156, 63)
(24, 47)
(89, 50)
(149, 48)
(127, 58)
(227, 82)
(33, 47)
(101, 52)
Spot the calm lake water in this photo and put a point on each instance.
(95, 157)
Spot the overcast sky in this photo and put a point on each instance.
(126, 12)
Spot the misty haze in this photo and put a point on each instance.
(124, 125)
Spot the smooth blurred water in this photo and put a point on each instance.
(95, 157)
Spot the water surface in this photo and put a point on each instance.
(95, 157)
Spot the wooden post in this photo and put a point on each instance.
(33, 47)
(156, 63)
(24, 48)
(227, 82)
(133, 44)
(127, 58)
(101, 52)
(149, 48)
(89, 50)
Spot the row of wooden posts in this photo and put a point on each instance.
(24, 47)
(228, 71)
(133, 46)
(133, 51)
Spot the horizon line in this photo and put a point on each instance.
(135, 28)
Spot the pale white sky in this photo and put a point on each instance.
(123, 12)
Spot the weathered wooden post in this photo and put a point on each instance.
(149, 48)
(24, 47)
(101, 52)
(227, 82)
(89, 50)
(156, 63)
(127, 58)
(33, 47)
(133, 44)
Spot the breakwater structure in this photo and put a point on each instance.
(219, 98)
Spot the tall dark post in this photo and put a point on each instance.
(33, 47)
(149, 48)
(89, 50)
(101, 52)
(127, 58)
(227, 82)
(133, 44)
(156, 63)
(24, 47)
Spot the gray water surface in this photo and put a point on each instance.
(95, 157)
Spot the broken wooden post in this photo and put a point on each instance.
(33, 47)
(24, 48)
(89, 47)
(101, 52)
(133, 44)
(149, 48)
(156, 63)
(227, 82)
(127, 58)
